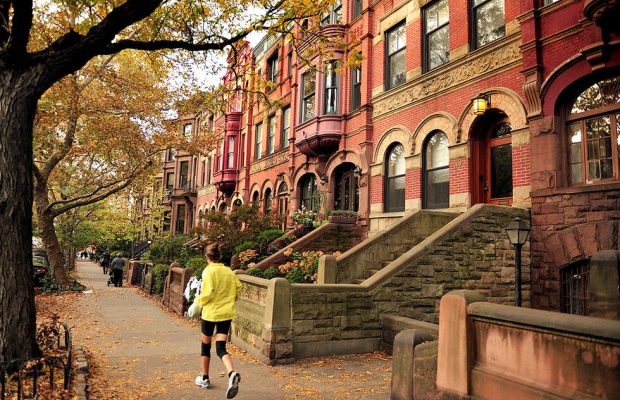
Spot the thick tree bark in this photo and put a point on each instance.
(18, 102)
(48, 233)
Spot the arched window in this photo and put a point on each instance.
(255, 200)
(346, 187)
(593, 133)
(394, 192)
(307, 190)
(436, 175)
(283, 204)
(267, 201)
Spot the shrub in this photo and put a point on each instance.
(199, 264)
(257, 273)
(166, 250)
(267, 236)
(159, 273)
(271, 273)
(296, 275)
(244, 246)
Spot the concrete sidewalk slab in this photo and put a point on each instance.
(141, 351)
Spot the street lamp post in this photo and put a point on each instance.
(518, 231)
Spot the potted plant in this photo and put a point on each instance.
(343, 216)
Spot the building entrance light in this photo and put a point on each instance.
(481, 103)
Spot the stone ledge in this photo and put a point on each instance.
(81, 373)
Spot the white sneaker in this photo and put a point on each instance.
(203, 383)
(233, 385)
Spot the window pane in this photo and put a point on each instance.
(437, 191)
(603, 93)
(398, 65)
(576, 173)
(396, 194)
(396, 39)
(231, 152)
(309, 83)
(489, 22)
(501, 171)
(396, 161)
(439, 47)
(436, 15)
(437, 154)
(309, 108)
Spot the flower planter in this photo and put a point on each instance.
(343, 219)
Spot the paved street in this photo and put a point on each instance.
(140, 351)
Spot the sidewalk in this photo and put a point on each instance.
(140, 351)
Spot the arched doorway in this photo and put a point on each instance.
(308, 192)
(283, 204)
(267, 201)
(491, 142)
(346, 187)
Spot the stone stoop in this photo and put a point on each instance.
(379, 251)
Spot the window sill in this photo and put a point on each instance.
(585, 188)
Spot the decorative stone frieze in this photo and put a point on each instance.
(465, 70)
(268, 162)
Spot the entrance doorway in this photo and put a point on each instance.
(346, 188)
(492, 159)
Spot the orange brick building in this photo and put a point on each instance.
(400, 132)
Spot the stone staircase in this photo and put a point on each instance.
(372, 255)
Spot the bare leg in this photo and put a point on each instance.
(204, 361)
(227, 359)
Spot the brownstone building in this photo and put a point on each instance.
(400, 132)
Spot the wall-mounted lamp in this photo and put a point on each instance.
(323, 179)
(481, 103)
(357, 172)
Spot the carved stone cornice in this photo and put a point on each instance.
(474, 66)
(206, 190)
(269, 162)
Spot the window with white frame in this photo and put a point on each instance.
(271, 134)
(330, 99)
(334, 16)
(396, 56)
(286, 127)
(308, 82)
(231, 152)
(356, 88)
(187, 131)
(395, 179)
(258, 142)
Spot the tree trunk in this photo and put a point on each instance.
(18, 102)
(48, 234)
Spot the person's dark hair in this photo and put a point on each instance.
(214, 252)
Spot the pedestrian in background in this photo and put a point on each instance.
(117, 271)
(220, 288)
(105, 262)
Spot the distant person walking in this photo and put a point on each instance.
(220, 288)
(117, 271)
(105, 262)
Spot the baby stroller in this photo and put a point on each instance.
(110, 277)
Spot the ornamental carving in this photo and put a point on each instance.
(206, 190)
(466, 71)
(268, 163)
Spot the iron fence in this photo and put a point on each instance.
(24, 379)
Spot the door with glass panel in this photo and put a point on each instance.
(498, 181)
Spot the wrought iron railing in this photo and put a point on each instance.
(26, 379)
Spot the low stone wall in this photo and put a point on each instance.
(134, 272)
(328, 238)
(490, 351)
(263, 323)
(176, 281)
(392, 325)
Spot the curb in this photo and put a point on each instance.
(81, 372)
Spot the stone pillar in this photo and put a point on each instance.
(277, 323)
(402, 363)
(456, 340)
(328, 269)
(603, 285)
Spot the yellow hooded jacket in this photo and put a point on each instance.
(220, 288)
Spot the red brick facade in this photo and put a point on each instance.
(536, 54)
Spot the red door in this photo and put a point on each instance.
(492, 168)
